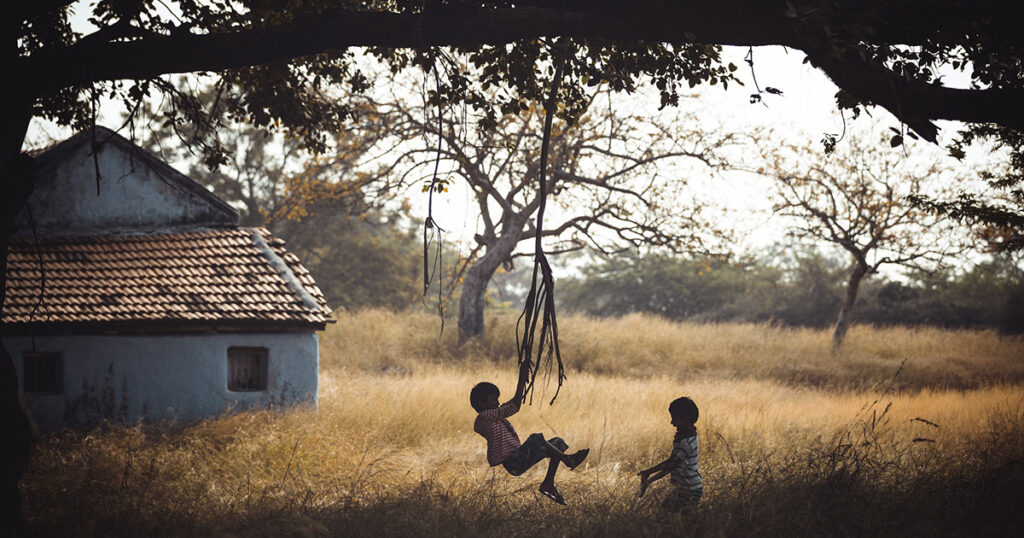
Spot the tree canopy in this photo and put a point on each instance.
(881, 53)
(287, 55)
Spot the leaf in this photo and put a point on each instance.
(896, 141)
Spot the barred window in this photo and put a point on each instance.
(247, 369)
(43, 372)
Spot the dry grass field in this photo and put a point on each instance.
(794, 441)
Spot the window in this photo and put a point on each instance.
(43, 372)
(247, 369)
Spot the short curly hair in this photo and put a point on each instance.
(684, 408)
(481, 392)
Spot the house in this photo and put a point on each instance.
(132, 294)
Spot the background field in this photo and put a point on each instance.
(794, 440)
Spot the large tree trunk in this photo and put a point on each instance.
(17, 176)
(846, 310)
(474, 285)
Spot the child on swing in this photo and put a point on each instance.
(682, 464)
(503, 446)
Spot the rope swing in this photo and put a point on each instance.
(540, 302)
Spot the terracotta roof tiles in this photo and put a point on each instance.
(211, 276)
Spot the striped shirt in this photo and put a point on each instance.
(494, 426)
(685, 474)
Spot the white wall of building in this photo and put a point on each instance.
(134, 192)
(165, 377)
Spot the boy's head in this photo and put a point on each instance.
(484, 396)
(684, 412)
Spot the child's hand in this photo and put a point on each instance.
(524, 380)
(644, 483)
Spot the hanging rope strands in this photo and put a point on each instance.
(430, 227)
(540, 302)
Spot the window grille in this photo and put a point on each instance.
(247, 369)
(43, 372)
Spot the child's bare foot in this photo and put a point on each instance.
(574, 460)
(551, 492)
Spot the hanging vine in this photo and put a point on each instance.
(431, 230)
(540, 301)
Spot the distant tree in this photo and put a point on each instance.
(252, 175)
(856, 200)
(326, 206)
(674, 287)
(268, 176)
(357, 261)
(807, 288)
(799, 286)
(988, 294)
(617, 179)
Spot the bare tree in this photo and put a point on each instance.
(618, 181)
(856, 200)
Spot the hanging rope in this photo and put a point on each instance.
(540, 302)
(430, 227)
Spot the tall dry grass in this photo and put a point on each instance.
(391, 449)
(644, 345)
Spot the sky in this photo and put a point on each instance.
(802, 114)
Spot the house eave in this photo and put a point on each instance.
(158, 327)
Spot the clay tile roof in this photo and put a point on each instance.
(212, 276)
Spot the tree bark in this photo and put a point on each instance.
(846, 310)
(17, 177)
(474, 286)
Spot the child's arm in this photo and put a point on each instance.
(646, 481)
(649, 476)
(663, 466)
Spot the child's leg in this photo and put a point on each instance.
(557, 451)
(552, 469)
(547, 487)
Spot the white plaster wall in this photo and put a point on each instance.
(131, 194)
(179, 377)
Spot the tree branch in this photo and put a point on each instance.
(732, 22)
(567, 176)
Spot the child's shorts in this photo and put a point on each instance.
(682, 500)
(530, 452)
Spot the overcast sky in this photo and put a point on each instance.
(801, 115)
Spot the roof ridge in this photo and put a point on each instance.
(284, 271)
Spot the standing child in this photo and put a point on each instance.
(689, 486)
(503, 447)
